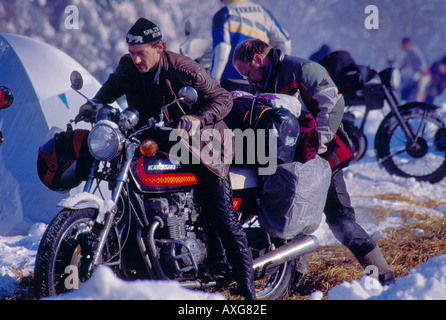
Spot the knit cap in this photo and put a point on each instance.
(143, 31)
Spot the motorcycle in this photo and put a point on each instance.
(6, 100)
(149, 227)
(411, 139)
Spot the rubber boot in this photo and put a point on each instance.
(376, 259)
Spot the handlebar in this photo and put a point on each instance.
(152, 124)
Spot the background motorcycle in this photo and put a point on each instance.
(198, 49)
(411, 139)
(6, 100)
(150, 227)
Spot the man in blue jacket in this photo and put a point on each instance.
(239, 20)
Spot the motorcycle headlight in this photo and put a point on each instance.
(391, 77)
(105, 140)
(128, 119)
(395, 78)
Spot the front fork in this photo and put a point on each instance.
(393, 104)
(107, 219)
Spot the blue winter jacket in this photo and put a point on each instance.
(237, 21)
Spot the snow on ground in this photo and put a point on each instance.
(104, 285)
(364, 180)
(427, 282)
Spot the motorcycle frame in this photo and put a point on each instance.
(145, 241)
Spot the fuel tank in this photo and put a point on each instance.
(161, 174)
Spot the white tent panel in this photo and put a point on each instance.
(39, 76)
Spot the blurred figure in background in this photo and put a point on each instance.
(437, 80)
(412, 68)
(239, 20)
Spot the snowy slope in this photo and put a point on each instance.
(99, 41)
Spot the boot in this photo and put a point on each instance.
(376, 258)
(216, 200)
(219, 267)
(243, 273)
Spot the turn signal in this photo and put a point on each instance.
(148, 148)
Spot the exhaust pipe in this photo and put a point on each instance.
(287, 252)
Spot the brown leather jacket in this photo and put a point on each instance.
(148, 93)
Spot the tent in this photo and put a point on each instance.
(39, 76)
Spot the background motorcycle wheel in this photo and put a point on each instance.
(66, 250)
(425, 160)
(360, 145)
(275, 285)
(358, 140)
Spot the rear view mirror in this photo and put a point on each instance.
(6, 98)
(188, 95)
(77, 82)
(187, 28)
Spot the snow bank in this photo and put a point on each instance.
(104, 285)
(427, 282)
(17, 255)
(19, 252)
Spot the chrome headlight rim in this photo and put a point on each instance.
(391, 77)
(105, 140)
(128, 119)
(395, 78)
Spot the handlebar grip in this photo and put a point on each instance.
(82, 115)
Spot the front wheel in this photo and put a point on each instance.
(66, 251)
(422, 158)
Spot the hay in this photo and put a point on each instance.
(421, 236)
(405, 248)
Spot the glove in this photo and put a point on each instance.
(189, 123)
(87, 111)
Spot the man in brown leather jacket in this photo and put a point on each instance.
(150, 77)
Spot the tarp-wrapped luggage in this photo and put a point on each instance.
(293, 198)
(267, 112)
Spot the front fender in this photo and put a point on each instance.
(86, 200)
(81, 201)
(421, 105)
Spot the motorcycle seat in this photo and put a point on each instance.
(243, 177)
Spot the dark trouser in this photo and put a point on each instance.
(215, 196)
(340, 217)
